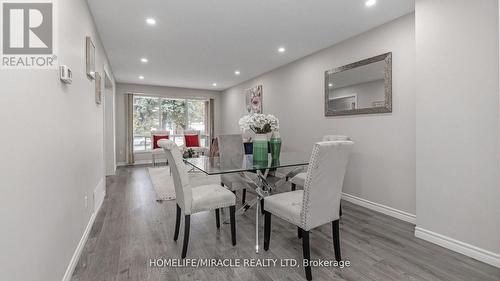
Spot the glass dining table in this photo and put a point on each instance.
(257, 173)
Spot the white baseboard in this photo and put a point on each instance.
(112, 172)
(395, 213)
(76, 255)
(459, 246)
(79, 248)
(138, 162)
(143, 162)
(99, 194)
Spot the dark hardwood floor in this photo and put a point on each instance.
(132, 228)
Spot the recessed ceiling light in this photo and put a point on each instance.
(237, 72)
(370, 3)
(214, 84)
(144, 60)
(141, 77)
(330, 85)
(281, 49)
(151, 21)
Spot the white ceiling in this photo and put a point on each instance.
(198, 42)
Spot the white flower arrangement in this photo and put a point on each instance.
(259, 123)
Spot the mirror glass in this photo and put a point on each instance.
(358, 88)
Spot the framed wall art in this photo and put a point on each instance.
(253, 100)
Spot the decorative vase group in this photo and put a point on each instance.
(261, 147)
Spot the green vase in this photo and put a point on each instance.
(260, 148)
(275, 146)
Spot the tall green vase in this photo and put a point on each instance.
(260, 148)
(275, 144)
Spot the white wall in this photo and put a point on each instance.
(458, 187)
(172, 92)
(51, 148)
(382, 166)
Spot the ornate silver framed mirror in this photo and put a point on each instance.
(362, 87)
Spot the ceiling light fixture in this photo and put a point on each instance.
(281, 49)
(144, 60)
(141, 77)
(151, 21)
(370, 3)
(237, 72)
(330, 85)
(214, 84)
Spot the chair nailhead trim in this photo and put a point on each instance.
(305, 198)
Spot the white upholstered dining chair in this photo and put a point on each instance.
(231, 149)
(194, 199)
(319, 202)
(300, 178)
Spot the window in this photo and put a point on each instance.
(172, 115)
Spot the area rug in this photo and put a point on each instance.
(163, 182)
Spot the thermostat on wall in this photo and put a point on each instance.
(65, 74)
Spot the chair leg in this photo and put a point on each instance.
(177, 222)
(243, 196)
(217, 218)
(232, 211)
(267, 230)
(262, 206)
(299, 233)
(187, 220)
(340, 210)
(294, 187)
(336, 240)
(306, 251)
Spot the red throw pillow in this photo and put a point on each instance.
(156, 138)
(191, 141)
